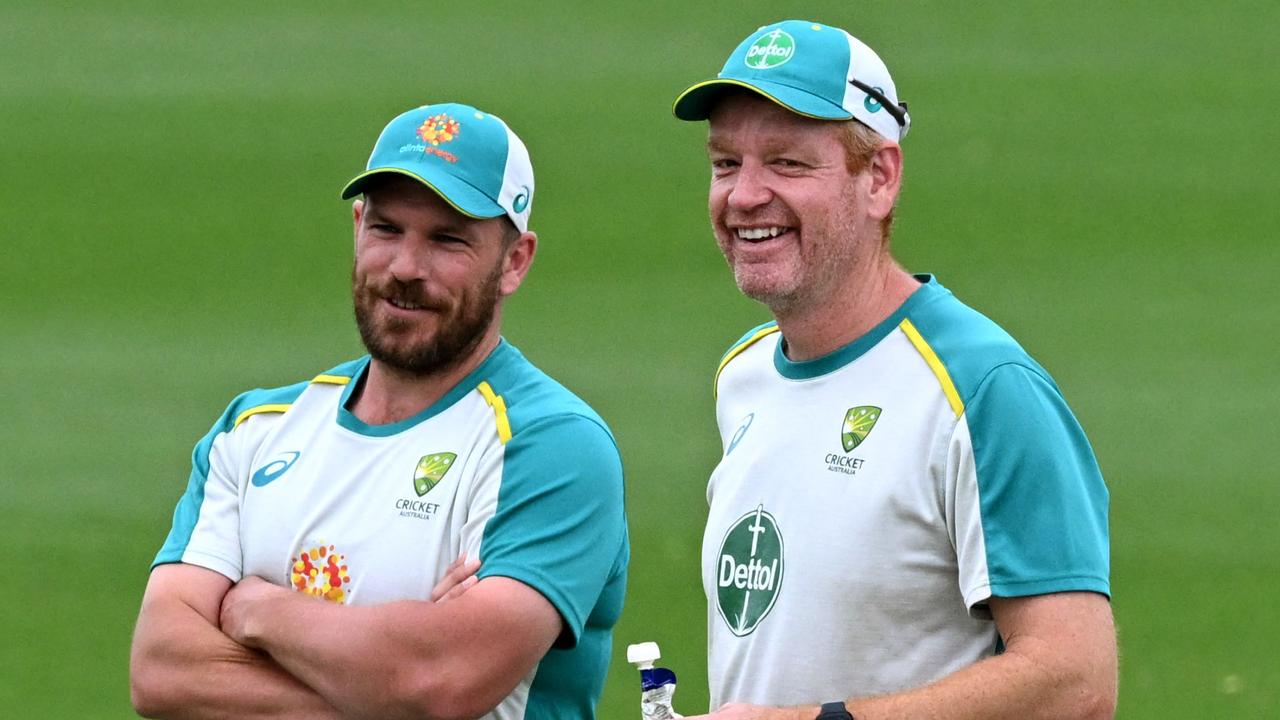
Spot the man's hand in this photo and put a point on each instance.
(460, 576)
(237, 618)
(239, 621)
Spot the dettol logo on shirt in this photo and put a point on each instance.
(749, 571)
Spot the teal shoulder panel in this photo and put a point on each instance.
(560, 527)
(188, 509)
(967, 342)
(1042, 498)
(747, 337)
(348, 369)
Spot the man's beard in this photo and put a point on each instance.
(460, 328)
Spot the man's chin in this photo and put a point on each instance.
(768, 291)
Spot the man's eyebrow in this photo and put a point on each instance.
(371, 213)
(715, 145)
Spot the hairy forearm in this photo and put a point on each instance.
(181, 666)
(1022, 684)
(411, 658)
(360, 664)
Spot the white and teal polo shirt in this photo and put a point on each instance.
(871, 501)
(508, 466)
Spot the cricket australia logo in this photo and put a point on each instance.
(858, 422)
(749, 572)
(770, 50)
(857, 425)
(431, 470)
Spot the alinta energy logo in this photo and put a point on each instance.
(428, 473)
(749, 571)
(435, 131)
(770, 50)
(321, 572)
(858, 422)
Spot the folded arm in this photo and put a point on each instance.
(1059, 662)
(182, 666)
(409, 658)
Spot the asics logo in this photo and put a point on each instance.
(274, 469)
(742, 430)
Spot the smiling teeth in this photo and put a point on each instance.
(404, 305)
(760, 233)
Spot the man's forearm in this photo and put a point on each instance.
(1014, 685)
(400, 659)
(181, 666)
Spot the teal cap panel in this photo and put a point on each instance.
(457, 151)
(798, 64)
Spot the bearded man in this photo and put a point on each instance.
(318, 559)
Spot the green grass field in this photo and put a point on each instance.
(1098, 177)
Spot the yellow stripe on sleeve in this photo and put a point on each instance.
(499, 411)
(331, 379)
(736, 350)
(935, 364)
(258, 411)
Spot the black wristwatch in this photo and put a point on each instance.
(834, 711)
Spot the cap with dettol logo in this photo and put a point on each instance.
(468, 157)
(810, 69)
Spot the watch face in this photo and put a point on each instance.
(834, 711)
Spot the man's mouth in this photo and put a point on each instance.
(404, 304)
(760, 234)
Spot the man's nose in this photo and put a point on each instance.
(750, 187)
(410, 261)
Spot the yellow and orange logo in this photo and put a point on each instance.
(321, 572)
(439, 129)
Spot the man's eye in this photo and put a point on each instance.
(383, 228)
(724, 164)
(788, 162)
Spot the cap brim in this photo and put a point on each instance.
(698, 101)
(460, 195)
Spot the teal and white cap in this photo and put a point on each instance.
(811, 69)
(468, 157)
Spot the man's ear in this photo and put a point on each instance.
(516, 264)
(357, 212)
(886, 180)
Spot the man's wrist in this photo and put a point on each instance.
(806, 712)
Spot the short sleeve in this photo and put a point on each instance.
(206, 521)
(559, 525)
(1030, 510)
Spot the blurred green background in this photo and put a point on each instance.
(1098, 177)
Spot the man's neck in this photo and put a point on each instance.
(389, 395)
(825, 326)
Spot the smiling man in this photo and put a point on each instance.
(298, 578)
(907, 520)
